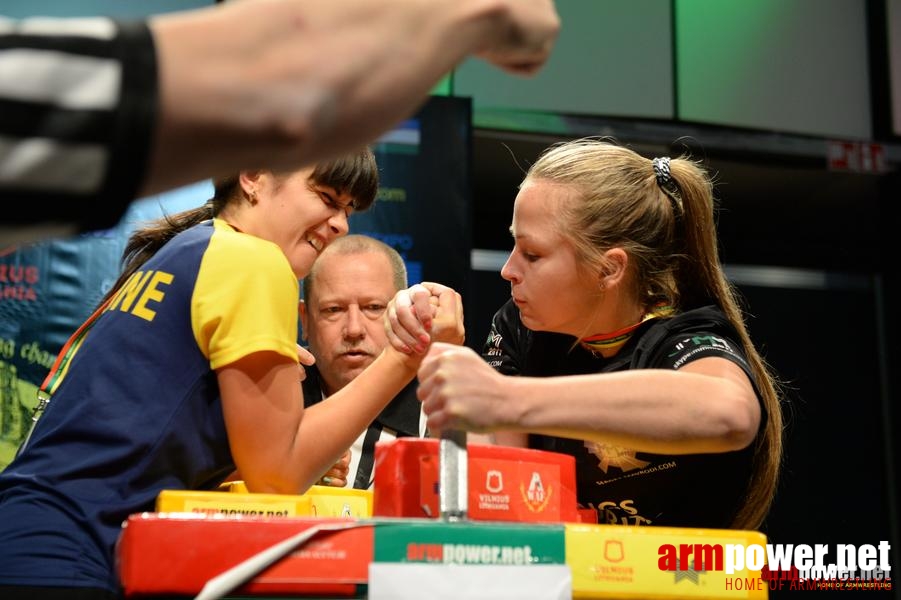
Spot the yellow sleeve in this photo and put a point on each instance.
(245, 299)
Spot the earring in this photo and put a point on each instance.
(252, 198)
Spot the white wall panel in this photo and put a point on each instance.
(798, 66)
(613, 58)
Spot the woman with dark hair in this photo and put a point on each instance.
(629, 343)
(189, 370)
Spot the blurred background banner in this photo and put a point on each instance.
(47, 290)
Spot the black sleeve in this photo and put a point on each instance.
(680, 349)
(136, 119)
(75, 153)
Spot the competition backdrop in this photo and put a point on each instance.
(423, 207)
(47, 289)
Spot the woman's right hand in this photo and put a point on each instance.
(422, 314)
(459, 390)
(336, 476)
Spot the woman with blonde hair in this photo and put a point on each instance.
(629, 345)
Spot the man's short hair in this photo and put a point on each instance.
(359, 244)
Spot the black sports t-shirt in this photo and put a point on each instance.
(625, 486)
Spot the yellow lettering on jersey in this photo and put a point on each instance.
(130, 290)
(152, 293)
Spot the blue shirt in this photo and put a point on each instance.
(138, 409)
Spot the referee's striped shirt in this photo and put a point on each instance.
(402, 417)
(78, 101)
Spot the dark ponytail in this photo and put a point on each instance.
(145, 242)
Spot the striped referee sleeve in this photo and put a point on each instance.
(78, 101)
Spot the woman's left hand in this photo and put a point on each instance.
(306, 358)
(337, 475)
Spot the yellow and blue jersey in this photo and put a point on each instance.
(137, 408)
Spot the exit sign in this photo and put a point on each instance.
(856, 157)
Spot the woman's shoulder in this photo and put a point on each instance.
(705, 318)
(704, 327)
(243, 247)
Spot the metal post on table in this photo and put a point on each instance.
(453, 478)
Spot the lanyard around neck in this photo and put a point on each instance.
(61, 365)
(59, 369)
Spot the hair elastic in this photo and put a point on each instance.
(667, 183)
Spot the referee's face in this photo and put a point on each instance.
(343, 319)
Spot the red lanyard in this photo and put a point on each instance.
(59, 369)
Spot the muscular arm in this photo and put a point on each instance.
(278, 446)
(280, 83)
(708, 405)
